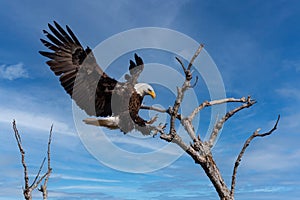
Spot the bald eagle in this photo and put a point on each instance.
(117, 104)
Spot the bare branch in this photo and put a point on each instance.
(246, 144)
(154, 108)
(180, 91)
(189, 129)
(176, 139)
(215, 102)
(196, 81)
(160, 110)
(181, 63)
(39, 181)
(38, 174)
(177, 103)
(195, 56)
(43, 187)
(221, 122)
(18, 138)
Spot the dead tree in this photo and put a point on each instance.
(200, 150)
(28, 188)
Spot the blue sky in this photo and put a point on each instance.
(253, 43)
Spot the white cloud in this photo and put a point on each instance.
(12, 72)
(34, 121)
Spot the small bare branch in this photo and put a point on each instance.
(38, 174)
(154, 108)
(195, 56)
(45, 177)
(18, 138)
(177, 103)
(196, 81)
(43, 187)
(215, 102)
(246, 144)
(34, 186)
(168, 111)
(181, 63)
(189, 128)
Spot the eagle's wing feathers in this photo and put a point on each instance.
(91, 88)
(78, 71)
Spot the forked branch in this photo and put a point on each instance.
(181, 90)
(27, 190)
(218, 126)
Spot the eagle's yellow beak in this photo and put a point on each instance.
(152, 94)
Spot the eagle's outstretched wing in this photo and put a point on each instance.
(88, 85)
(78, 71)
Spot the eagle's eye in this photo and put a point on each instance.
(149, 90)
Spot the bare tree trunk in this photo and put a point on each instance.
(213, 173)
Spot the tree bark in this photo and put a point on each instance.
(213, 173)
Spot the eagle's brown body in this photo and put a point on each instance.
(92, 89)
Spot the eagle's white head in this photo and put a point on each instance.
(144, 89)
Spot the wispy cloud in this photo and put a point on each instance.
(293, 93)
(96, 187)
(76, 195)
(290, 123)
(292, 64)
(12, 72)
(268, 159)
(78, 178)
(34, 120)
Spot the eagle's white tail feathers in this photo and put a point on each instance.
(108, 122)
